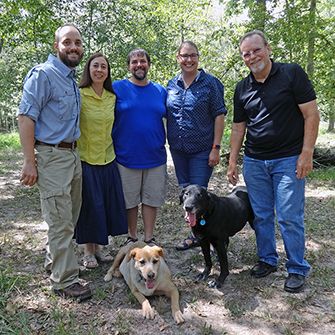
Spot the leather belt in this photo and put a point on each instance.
(63, 145)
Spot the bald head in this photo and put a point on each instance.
(59, 31)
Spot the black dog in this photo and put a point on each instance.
(213, 219)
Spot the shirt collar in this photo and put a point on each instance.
(89, 91)
(200, 73)
(65, 70)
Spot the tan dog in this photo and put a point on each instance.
(146, 273)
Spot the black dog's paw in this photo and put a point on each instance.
(214, 284)
(201, 277)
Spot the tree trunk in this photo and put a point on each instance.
(311, 40)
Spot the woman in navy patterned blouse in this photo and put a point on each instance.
(195, 122)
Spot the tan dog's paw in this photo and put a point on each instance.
(108, 276)
(178, 317)
(117, 273)
(147, 311)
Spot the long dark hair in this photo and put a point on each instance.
(86, 79)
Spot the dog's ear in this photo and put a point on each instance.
(158, 251)
(132, 254)
(181, 196)
(210, 201)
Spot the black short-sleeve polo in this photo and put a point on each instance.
(275, 124)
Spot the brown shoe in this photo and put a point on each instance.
(76, 290)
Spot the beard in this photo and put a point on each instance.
(258, 68)
(63, 56)
(140, 76)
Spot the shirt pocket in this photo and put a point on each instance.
(67, 105)
(174, 98)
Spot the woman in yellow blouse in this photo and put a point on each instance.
(103, 210)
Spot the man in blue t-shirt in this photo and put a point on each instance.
(139, 142)
(276, 105)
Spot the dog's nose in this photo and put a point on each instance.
(151, 275)
(188, 208)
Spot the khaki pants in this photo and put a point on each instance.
(59, 182)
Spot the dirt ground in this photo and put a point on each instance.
(244, 305)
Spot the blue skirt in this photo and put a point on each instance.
(103, 210)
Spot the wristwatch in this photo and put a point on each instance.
(216, 146)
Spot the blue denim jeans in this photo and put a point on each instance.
(192, 168)
(275, 191)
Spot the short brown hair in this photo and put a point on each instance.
(192, 44)
(138, 52)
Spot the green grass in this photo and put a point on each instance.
(236, 308)
(7, 285)
(9, 141)
(11, 323)
(324, 174)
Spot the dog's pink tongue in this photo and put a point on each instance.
(191, 219)
(150, 283)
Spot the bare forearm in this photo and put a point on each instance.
(27, 129)
(236, 141)
(218, 129)
(29, 171)
(311, 116)
(311, 130)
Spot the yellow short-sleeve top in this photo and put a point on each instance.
(95, 144)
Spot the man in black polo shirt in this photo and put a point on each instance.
(275, 105)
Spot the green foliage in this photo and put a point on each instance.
(115, 27)
(10, 141)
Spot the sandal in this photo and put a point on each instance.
(103, 257)
(130, 240)
(188, 243)
(90, 262)
(152, 242)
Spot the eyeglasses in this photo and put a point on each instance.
(186, 56)
(246, 55)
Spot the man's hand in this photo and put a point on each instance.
(304, 164)
(28, 174)
(232, 173)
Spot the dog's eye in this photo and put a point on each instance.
(154, 261)
(142, 261)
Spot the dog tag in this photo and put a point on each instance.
(202, 222)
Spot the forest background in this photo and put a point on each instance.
(301, 31)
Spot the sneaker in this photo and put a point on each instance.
(294, 283)
(262, 269)
(76, 290)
